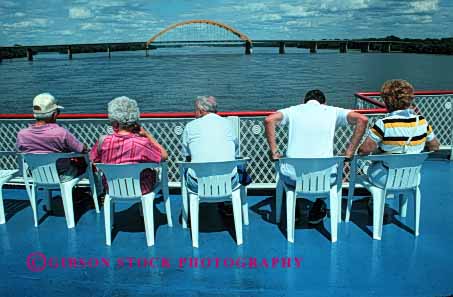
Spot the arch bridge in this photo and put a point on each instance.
(199, 32)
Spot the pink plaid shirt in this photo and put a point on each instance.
(128, 149)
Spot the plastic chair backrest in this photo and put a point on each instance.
(43, 166)
(313, 174)
(213, 178)
(404, 169)
(124, 179)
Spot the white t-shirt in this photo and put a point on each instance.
(311, 130)
(209, 139)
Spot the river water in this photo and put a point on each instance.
(169, 79)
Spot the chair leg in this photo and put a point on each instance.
(245, 205)
(68, 205)
(33, 194)
(94, 192)
(278, 201)
(166, 194)
(290, 214)
(236, 197)
(340, 200)
(2, 210)
(378, 214)
(194, 208)
(417, 211)
(334, 211)
(403, 205)
(108, 219)
(148, 216)
(349, 204)
(185, 206)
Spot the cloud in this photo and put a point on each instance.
(270, 17)
(32, 23)
(91, 26)
(79, 13)
(424, 6)
(19, 14)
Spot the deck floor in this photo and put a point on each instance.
(357, 265)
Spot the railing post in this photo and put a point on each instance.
(248, 48)
(69, 52)
(314, 48)
(451, 127)
(281, 48)
(365, 47)
(343, 47)
(29, 54)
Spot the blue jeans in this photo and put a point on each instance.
(192, 182)
(292, 183)
(377, 174)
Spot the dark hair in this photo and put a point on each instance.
(315, 95)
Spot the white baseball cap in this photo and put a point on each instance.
(45, 103)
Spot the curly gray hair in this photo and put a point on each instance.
(124, 111)
(206, 103)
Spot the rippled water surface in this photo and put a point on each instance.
(169, 79)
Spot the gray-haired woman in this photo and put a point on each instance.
(129, 143)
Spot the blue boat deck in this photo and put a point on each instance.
(80, 264)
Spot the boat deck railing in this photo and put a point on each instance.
(435, 106)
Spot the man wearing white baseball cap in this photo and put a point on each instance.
(46, 136)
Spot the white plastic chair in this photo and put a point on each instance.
(124, 185)
(45, 176)
(403, 178)
(5, 176)
(312, 181)
(214, 185)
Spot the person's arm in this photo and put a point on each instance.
(368, 147)
(270, 123)
(73, 144)
(163, 151)
(432, 143)
(360, 122)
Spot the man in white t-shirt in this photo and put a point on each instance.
(210, 138)
(311, 131)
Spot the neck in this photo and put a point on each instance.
(42, 123)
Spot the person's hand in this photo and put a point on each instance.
(275, 156)
(143, 132)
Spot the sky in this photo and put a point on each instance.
(33, 22)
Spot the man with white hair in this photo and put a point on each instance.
(46, 136)
(129, 143)
(208, 138)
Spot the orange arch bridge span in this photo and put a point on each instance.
(193, 30)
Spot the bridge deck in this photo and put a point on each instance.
(356, 265)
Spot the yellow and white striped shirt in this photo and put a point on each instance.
(402, 131)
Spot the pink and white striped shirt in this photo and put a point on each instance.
(128, 149)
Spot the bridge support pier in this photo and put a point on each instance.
(365, 47)
(248, 48)
(343, 47)
(314, 48)
(70, 53)
(109, 52)
(29, 54)
(281, 48)
(386, 47)
(146, 51)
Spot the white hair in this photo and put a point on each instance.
(124, 111)
(206, 103)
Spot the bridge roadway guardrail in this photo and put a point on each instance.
(249, 126)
